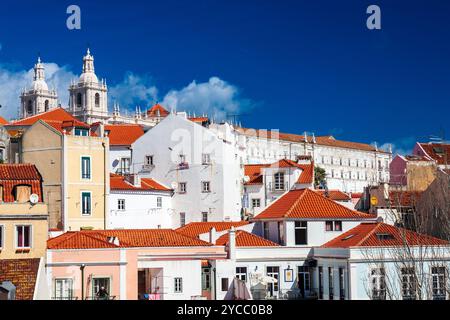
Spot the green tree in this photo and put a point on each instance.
(320, 176)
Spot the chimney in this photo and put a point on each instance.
(114, 240)
(212, 235)
(386, 191)
(232, 244)
(134, 179)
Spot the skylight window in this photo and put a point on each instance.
(348, 237)
(385, 236)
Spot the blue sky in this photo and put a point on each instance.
(288, 65)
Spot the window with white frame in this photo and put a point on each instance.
(333, 225)
(439, 285)
(63, 289)
(256, 203)
(148, 161)
(206, 158)
(204, 216)
(279, 181)
(178, 285)
(378, 280)
(241, 273)
(121, 204)
(301, 232)
(182, 158)
(23, 236)
(85, 167)
(159, 202)
(86, 203)
(124, 166)
(182, 187)
(409, 283)
(206, 186)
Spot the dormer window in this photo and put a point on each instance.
(385, 236)
(23, 193)
(279, 181)
(81, 132)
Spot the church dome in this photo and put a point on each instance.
(88, 77)
(39, 85)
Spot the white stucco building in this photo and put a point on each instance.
(136, 203)
(203, 167)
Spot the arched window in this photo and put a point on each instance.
(30, 107)
(97, 100)
(79, 98)
(46, 106)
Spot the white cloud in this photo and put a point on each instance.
(13, 81)
(134, 90)
(402, 146)
(217, 98)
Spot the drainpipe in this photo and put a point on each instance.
(215, 288)
(82, 280)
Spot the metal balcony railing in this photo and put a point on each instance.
(101, 298)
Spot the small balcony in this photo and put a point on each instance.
(147, 167)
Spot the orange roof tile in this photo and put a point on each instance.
(118, 182)
(381, 234)
(56, 114)
(123, 134)
(254, 171)
(3, 120)
(307, 204)
(336, 195)
(97, 239)
(22, 273)
(246, 239)
(194, 229)
(157, 111)
(437, 151)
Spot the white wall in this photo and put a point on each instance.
(141, 211)
(115, 154)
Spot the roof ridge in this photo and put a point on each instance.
(92, 235)
(369, 234)
(361, 214)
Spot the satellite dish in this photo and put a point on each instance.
(174, 185)
(246, 179)
(34, 198)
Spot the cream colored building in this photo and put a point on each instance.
(73, 162)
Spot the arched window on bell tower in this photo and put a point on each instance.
(79, 98)
(46, 105)
(97, 100)
(30, 107)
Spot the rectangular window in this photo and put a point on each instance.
(206, 158)
(338, 226)
(182, 219)
(224, 282)
(206, 186)
(97, 285)
(85, 167)
(273, 272)
(124, 166)
(23, 237)
(241, 273)
(182, 158)
(341, 284)
(333, 225)
(86, 203)
(121, 204)
(148, 161)
(178, 285)
(378, 280)
(63, 289)
(328, 225)
(409, 285)
(301, 231)
(182, 187)
(330, 284)
(320, 282)
(266, 230)
(1, 237)
(204, 216)
(439, 283)
(81, 132)
(206, 278)
(279, 181)
(159, 202)
(256, 203)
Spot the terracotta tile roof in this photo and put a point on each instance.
(404, 198)
(194, 229)
(355, 195)
(3, 120)
(381, 234)
(118, 182)
(97, 239)
(437, 151)
(157, 108)
(12, 175)
(199, 119)
(253, 171)
(308, 204)
(67, 126)
(321, 140)
(246, 239)
(123, 134)
(57, 114)
(22, 273)
(336, 195)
